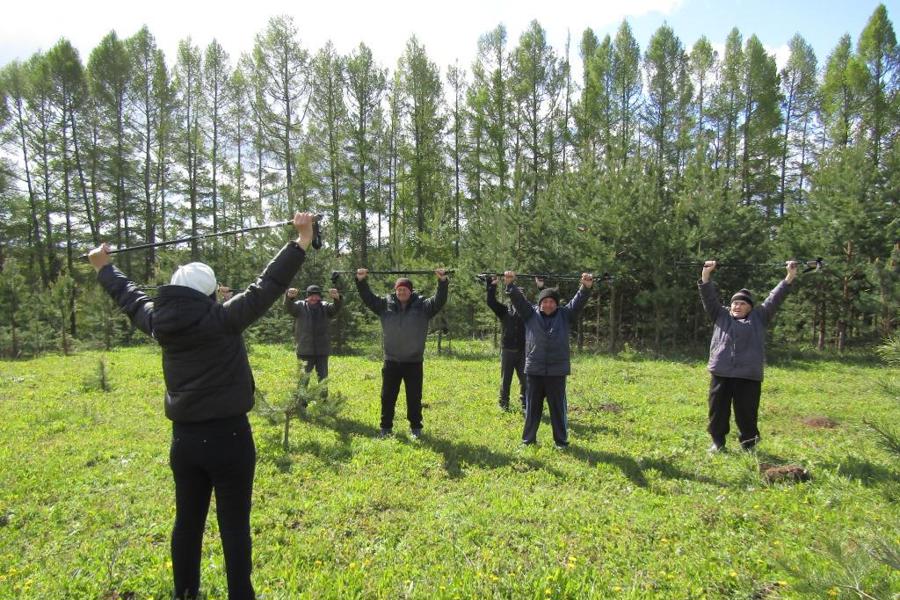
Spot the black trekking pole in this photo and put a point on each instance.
(485, 277)
(316, 241)
(336, 274)
(813, 264)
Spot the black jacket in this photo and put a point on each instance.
(512, 336)
(204, 360)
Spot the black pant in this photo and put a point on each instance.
(745, 395)
(553, 388)
(392, 373)
(214, 455)
(319, 361)
(511, 361)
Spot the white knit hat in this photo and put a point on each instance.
(197, 276)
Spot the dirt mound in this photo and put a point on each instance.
(784, 473)
(612, 407)
(820, 422)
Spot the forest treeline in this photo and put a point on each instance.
(644, 159)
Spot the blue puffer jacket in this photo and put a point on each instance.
(547, 338)
(738, 346)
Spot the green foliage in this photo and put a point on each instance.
(658, 156)
(631, 509)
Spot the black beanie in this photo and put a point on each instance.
(549, 293)
(743, 294)
(313, 289)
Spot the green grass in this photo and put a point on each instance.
(634, 509)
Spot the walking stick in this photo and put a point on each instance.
(812, 264)
(316, 241)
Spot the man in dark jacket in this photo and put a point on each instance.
(512, 343)
(311, 334)
(737, 353)
(209, 389)
(404, 319)
(547, 327)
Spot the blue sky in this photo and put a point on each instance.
(449, 30)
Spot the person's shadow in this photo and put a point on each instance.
(455, 455)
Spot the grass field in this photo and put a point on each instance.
(635, 508)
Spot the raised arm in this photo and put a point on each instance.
(332, 308)
(709, 295)
(771, 304)
(576, 304)
(492, 303)
(245, 308)
(437, 302)
(134, 302)
(290, 302)
(376, 305)
(523, 306)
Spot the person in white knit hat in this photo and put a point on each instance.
(197, 276)
(209, 389)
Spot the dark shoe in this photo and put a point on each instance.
(385, 433)
(416, 433)
(562, 446)
(504, 407)
(749, 445)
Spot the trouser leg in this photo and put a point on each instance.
(193, 488)
(534, 408)
(520, 373)
(746, 411)
(391, 376)
(720, 393)
(412, 381)
(557, 402)
(507, 366)
(233, 484)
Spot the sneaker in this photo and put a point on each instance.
(562, 446)
(384, 433)
(715, 448)
(415, 433)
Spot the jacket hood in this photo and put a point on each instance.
(178, 308)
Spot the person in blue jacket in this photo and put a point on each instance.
(737, 353)
(547, 327)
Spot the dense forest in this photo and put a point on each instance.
(643, 161)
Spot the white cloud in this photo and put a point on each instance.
(449, 31)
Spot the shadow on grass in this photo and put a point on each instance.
(634, 470)
(865, 471)
(455, 454)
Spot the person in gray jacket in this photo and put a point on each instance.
(404, 319)
(547, 327)
(737, 353)
(311, 331)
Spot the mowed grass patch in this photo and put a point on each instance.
(635, 508)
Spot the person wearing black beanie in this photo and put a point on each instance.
(312, 335)
(737, 354)
(547, 366)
